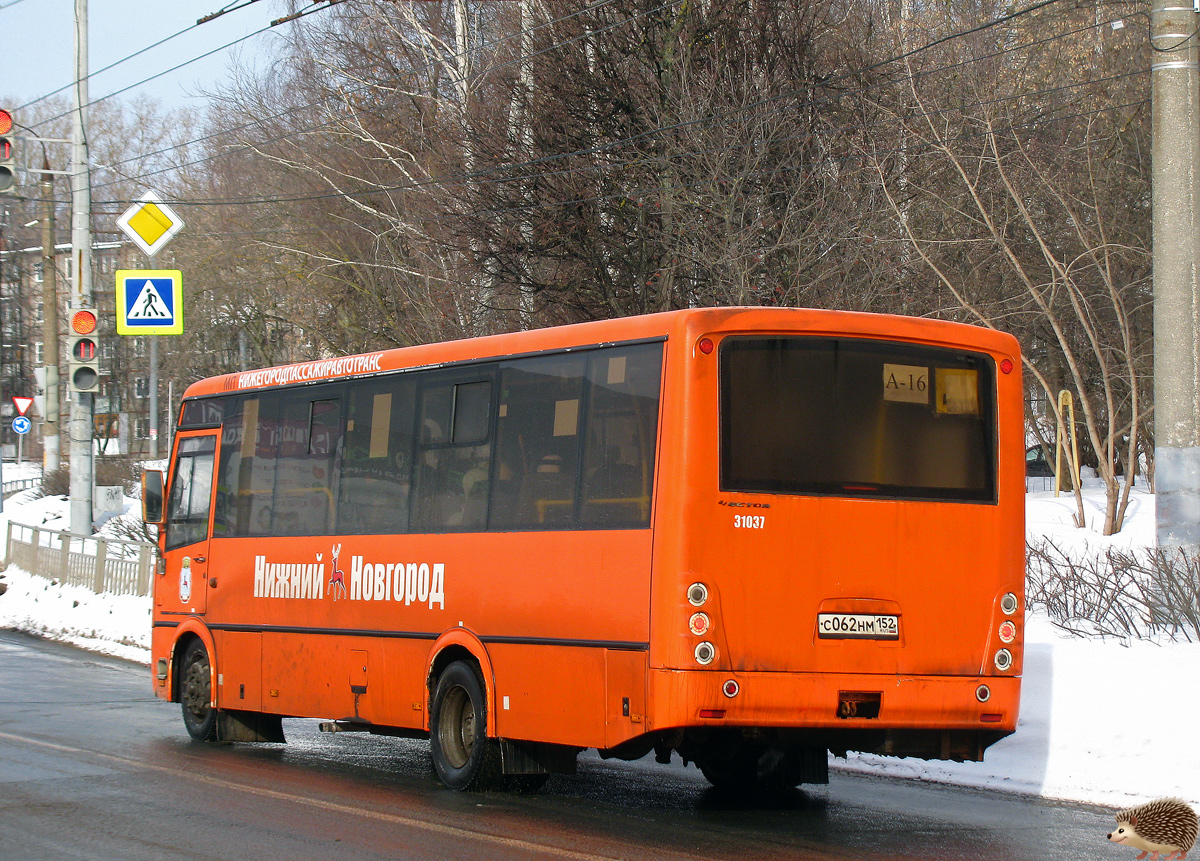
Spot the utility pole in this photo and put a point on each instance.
(1175, 85)
(153, 405)
(81, 253)
(50, 448)
(3, 224)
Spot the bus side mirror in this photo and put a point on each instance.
(152, 497)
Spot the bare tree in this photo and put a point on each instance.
(1022, 211)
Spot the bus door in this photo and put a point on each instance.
(184, 588)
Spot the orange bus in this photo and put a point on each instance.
(746, 536)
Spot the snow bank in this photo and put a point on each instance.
(1101, 721)
(117, 625)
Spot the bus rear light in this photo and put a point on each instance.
(706, 653)
(1006, 366)
(697, 594)
(699, 624)
(983, 693)
(1004, 660)
(1008, 631)
(706, 345)
(712, 713)
(991, 718)
(730, 688)
(1009, 603)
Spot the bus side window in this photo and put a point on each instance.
(537, 442)
(453, 457)
(203, 412)
(310, 436)
(376, 474)
(622, 428)
(191, 492)
(228, 470)
(246, 478)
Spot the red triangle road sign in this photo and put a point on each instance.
(22, 404)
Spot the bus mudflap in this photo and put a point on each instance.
(240, 726)
(535, 757)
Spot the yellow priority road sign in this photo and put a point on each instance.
(150, 223)
(149, 302)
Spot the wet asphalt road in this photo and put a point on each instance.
(93, 766)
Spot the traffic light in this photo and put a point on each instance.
(8, 154)
(84, 353)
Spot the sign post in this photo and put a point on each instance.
(21, 426)
(150, 302)
(151, 224)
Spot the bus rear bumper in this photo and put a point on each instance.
(933, 717)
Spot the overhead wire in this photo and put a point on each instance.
(185, 63)
(342, 94)
(489, 178)
(492, 69)
(811, 164)
(487, 174)
(134, 55)
(91, 75)
(657, 188)
(910, 149)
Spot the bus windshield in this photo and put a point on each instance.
(859, 418)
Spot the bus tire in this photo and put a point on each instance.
(734, 769)
(195, 693)
(463, 755)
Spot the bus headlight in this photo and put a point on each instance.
(706, 652)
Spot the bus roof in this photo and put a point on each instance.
(695, 321)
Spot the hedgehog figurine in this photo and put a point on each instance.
(1166, 826)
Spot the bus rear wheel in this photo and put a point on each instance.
(733, 770)
(195, 693)
(463, 755)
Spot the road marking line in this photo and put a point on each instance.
(393, 818)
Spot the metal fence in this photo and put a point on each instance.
(21, 484)
(100, 564)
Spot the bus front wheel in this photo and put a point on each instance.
(195, 693)
(463, 755)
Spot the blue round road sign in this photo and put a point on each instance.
(21, 424)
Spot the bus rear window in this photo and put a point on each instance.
(852, 417)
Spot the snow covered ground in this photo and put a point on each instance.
(1102, 721)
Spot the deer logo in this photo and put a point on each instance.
(337, 581)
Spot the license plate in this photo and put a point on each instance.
(857, 626)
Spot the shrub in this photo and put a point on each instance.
(108, 471)
(1120, 593)
(57, 482)
(124, 470)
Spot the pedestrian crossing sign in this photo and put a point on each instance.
(149, 302)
